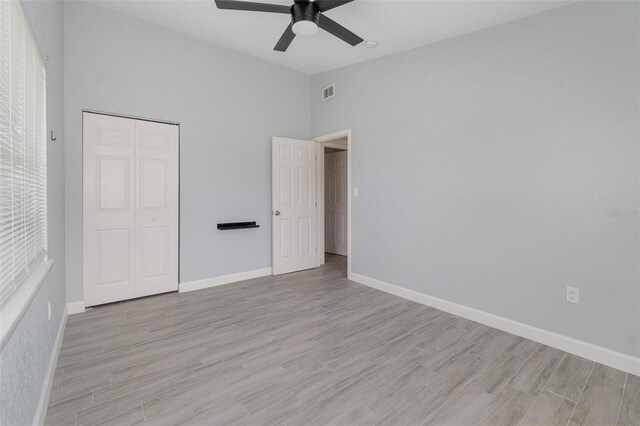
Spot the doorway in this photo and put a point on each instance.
(334, 197)
(298, 201)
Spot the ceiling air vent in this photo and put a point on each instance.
(328, 92)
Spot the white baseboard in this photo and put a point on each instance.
(590, 351)
(222, 280)
(41, 412)
(75, 307)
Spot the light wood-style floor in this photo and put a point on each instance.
(313, 348)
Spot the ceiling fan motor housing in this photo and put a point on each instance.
(305, 11)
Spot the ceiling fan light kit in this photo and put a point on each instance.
(306, 18)
(305, 28)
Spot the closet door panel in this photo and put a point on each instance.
(156, 213)
(108, 216)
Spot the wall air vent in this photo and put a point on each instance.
(328, 92)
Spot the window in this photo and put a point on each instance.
(23, 151)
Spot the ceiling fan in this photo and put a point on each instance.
(306, 18)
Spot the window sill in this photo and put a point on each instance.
(13, 309)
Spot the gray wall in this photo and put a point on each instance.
(229, 105)
(487, 163)
(25, 357)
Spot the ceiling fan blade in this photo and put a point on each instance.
(338, 30)
(325, 5)
(285, 39)
(252, 6)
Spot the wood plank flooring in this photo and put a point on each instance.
(312, 348)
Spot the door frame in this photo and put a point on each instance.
(321, 143)
(131, 117)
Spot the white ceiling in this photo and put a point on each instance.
(396, 24)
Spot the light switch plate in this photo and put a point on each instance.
(355, 192)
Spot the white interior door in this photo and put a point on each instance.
(293, 168)
(130, 208)
(335, 202)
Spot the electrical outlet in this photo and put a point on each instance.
(573, 295)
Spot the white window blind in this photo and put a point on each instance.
(23, 151)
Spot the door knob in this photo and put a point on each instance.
(277, 212)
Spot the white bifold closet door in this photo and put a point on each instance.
(130, 189)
